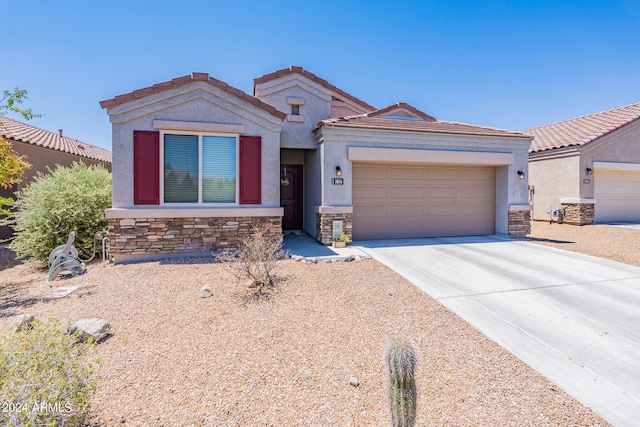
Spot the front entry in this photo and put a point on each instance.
(291, 196)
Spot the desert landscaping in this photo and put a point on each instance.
(175, 358)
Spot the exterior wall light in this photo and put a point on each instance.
(520, 175)
(338, 171)
(589, 171)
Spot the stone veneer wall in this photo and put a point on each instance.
(324, 226)
(578, 213)
(156, 236)
(519, 222)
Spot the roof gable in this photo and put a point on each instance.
(581, 130)
(401, 111)
(336, 92)
(181, 81)
(22, 132)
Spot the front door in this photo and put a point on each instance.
(291, 196)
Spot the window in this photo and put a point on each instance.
(295, 110)
(200, 168)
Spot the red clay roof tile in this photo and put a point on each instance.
(429, 124)
(179, 81)
(581, 130)
(17, 131)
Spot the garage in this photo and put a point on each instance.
(400, 201)
(617, 194)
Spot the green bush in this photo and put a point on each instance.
(45, 377)
(53, 205)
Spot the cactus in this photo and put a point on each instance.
(401, 363)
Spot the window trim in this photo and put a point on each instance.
(199, 135)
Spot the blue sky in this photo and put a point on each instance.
(510, 64)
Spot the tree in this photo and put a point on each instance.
(9, 101)
(12, 165)
(12, 168)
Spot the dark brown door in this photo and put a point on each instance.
(291, 196)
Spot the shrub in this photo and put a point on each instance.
(255, 259)
(50, 207)
(45, 377)
(401, 364)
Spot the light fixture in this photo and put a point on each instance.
(520, 175)
(338, 171)
(589, 171)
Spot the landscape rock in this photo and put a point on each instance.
(96, 328)
(297, 257)
(22, 321)
(354, 381)
(206, 291)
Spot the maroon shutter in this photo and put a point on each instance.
(146, 168)
(250, 170)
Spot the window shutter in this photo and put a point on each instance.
(250, 170)
(146, 168)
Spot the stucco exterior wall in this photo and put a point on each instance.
(316, 107)
(40, 158)
(335, 144)
(554, 179)
(622, 145)
(312, 189)
(195, 102)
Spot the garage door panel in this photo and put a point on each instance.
(407, 173)
(371, 172)
(422, 201)
(410, 192)
(617, 195)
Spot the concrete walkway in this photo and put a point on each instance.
(572, 317)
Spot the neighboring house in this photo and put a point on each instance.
(45, 149)
(197, 162)
(587, 167)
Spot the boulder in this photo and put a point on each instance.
(206, 291)
(22, 321)
(87, 328)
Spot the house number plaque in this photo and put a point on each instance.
(337, 181)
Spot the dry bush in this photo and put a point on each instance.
(256, 260)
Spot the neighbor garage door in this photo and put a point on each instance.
(617, 195)
(393, 201)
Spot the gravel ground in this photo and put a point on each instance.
(176, 359)
(614, 243)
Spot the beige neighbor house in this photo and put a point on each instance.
(588, 168)
(196, 162)
(45, 149)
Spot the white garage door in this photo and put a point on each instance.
(394, 201)
(617, 195)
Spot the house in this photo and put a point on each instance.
(588, 167)
(197, 162)
(45, 149)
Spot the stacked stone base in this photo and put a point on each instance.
(324, 226)
(578, 213)
(139, 237)
(519, 223)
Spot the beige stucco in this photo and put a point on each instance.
(553, 180)
(559, 175)
(40, 159)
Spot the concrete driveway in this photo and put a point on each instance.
(572, 317)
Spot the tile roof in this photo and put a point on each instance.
(401, 105)
(322, 82)
(18, 131)
(581, 130)
(180, 81)
(365, 121)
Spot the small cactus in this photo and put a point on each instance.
(401, 364)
